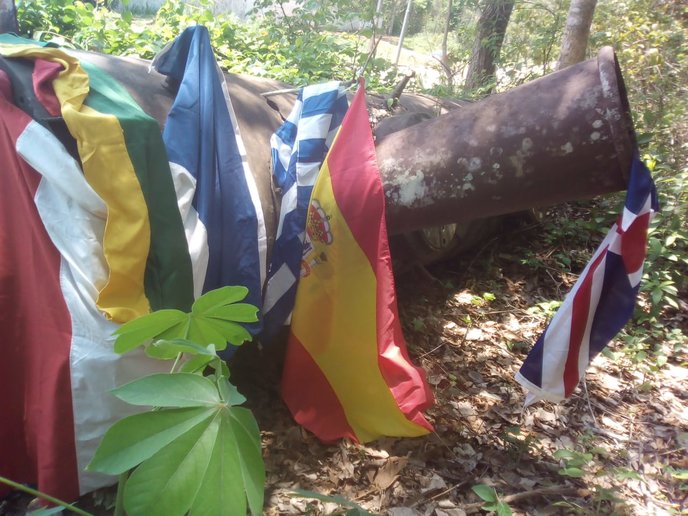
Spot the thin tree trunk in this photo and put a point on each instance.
(492, 25)
(403, 31)
(447, 24)
(392, 18)
(574, 42)
(444, 58)
(377, 27)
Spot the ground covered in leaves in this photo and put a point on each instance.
(617, 446)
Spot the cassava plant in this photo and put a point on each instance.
(196, 451)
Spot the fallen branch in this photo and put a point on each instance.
(445, 67)
(517, 497)
(438, 495)
(423, 498)
(399, 88)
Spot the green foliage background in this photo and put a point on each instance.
(295, 49)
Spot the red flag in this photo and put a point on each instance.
(347, 371)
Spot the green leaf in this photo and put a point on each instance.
(418, 324)
(213, 320)
(209, 461)
(485, 492)
(239, 312)
(503, 509)
(657, 295)
(216, 469)
(671, 302)
(229, 392)
(222, 491)
(168, 482)
(205, 331)
(572, 472)
(627, 474)
(230, 331)
(644, 138)
(196, 364)
(169, 349)
(134, 439)
(679, 474)
(136, 332)
(564, 454)
(580, 459)
(224, 369)
(170, 390)
(244, 428)
(218, 298)
(357, 511)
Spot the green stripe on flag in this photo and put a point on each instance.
(168, 278)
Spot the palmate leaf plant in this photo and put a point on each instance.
(196, 451)
(491, 499)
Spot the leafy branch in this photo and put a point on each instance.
(197, 450)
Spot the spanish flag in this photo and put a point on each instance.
(347, 372)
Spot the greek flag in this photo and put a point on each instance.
(600, 303)
(299, 147)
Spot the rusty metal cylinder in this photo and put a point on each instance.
(565, 136)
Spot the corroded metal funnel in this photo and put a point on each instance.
(565, 136)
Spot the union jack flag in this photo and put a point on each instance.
(600, 303)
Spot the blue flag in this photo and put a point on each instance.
(207, 157)
(299, 147)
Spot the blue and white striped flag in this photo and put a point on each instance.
(600, 303)
(209, 165)
(298, 150)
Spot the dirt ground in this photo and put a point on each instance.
(470, 323)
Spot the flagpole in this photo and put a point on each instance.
(403, 31)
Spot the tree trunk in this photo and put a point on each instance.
(445, 36)
(377, 27)
(488, 42)
(444, 58)
(392, 18)
(574, 42)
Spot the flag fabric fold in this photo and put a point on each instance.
(298, 149)
(347, 372)
(58, 364)
(89, 244)
(124, 160)
(600, 303)
(206, 151)
(94, 243)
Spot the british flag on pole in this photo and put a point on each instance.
(600, 303)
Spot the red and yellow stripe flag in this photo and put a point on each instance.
(347, 372)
